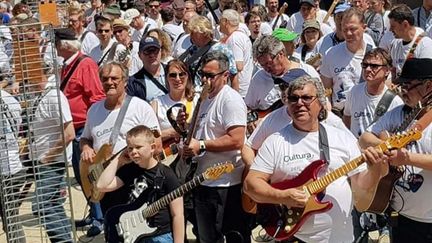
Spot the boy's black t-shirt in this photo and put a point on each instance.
(138, 180)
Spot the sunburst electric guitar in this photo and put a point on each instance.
(282, 222)
(128, 223)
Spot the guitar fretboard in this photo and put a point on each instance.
(165, 200)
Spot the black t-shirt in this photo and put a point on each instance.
(138, 180)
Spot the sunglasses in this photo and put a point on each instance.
(209, 75)
(118, 31)
(307, 99)
(102, 31)
(153, 6)
(175, 75)
(151, 51)
(373, 66)
(405, 88)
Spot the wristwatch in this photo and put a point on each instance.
(202, 147)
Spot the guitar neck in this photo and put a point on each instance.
(192, 126)
(330, 11)
(165, 200)
(320, 184)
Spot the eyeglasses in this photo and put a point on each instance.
(203, 74)
(175, 75)
(373, 66)
(102, 31)
(405, 88)
(118, 31)
(151, 51)
(154, 6)
(307, 99)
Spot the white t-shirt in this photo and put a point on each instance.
(262, 92)
(399, 51)
(89, 42)
(9, 150)
(279, 119)
(215, 117)
(266, 29)
(286, 153)
(97, 53)
(136, 62)
(182, 44)
(172, 30)
(242, 51)
(100, 122)
(386, 40)
(296, 21)
(344, 67)
(414, 205)
(47, 129)
(281, 19)
(361, 106)
(138, 34)
(329, 40)
(165, 102)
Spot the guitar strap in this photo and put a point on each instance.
(383, 104)
(71, 71)
(119, 120)
(424, 121)
(323, 144)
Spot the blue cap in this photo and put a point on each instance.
(342, 7)
(148, 42)
(291, 75)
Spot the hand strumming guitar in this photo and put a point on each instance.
(295, 198)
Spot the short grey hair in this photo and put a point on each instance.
(232, 16)
(71, 45)
(267, 45)
(218, 56)
(110, 64)
(300, 82)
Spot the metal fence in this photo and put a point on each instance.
(34, 190)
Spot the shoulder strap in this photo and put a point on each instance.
(200, 53)
(383, 104)
(83, 36)
(414, 46)
(119, 120)
(146, 30)
(71, 71)
(323, 144)
(112, 51)
(155, 81)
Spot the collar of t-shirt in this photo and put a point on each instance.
(71, 59)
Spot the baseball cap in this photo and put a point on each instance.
(148, 42)
(291, 75)
(341, 7)
(415, 68)
(283, 34)
(130, 14)
(310, 2)
(311, 24)
(65, 34)
(113, 9)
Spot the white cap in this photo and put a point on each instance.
(130, 14)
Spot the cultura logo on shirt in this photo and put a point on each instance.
(289, 158)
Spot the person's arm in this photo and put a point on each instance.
(347, 121)
(248, 155)
(327, 82)
(368, 139)
(87, 151)
(108, 181)
(404, 157)
(57, 148)
(177, 219)
(256, 186)
(232, 140)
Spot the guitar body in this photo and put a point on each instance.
(125, 223)
(170, 152)
(378, 199)
(90, 173)
(282, 222)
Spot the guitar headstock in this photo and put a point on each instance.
(283, 8)
(216, 171)
(401, 140)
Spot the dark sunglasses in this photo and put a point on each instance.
(307, 99)
(118, 31)
(153, 6)
(175, 75)
(209, 75)
(102, 31)
(372, 65)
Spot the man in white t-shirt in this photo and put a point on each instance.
(102, 116)
(412, 200)
(139, 22)
(219, 136)
(285, 154)
(361, 106)
(341, 65)
(309, 10)
(409, 39)
(241, 45)
(273, 14)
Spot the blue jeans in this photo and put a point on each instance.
(220, 216)
(165, 238)
(95, 209)
(48, 203)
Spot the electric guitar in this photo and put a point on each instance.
(128, 223)
(281, 11)
(330, 11)
(90, 172)
(282, 222)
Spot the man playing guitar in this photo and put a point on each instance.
(412, 200)
(286, 153)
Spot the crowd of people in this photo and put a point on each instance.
(249, 85)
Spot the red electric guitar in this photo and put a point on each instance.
(282, 222)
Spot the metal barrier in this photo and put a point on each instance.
(35, 196)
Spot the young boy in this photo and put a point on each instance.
(147, 176)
